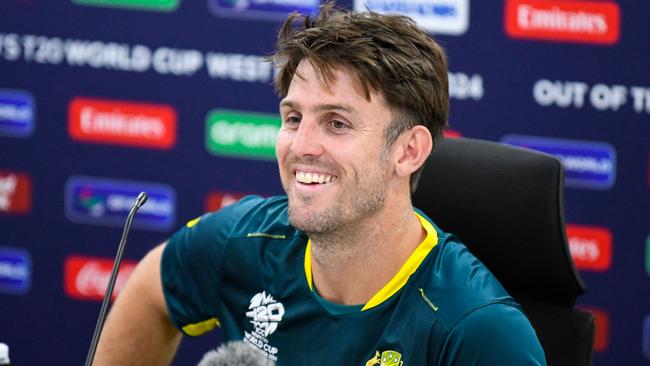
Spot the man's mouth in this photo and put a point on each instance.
(314, 178)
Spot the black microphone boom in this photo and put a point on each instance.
(139, 201)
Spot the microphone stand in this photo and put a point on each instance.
(140, 200)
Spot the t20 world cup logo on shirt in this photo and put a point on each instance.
(265, 314)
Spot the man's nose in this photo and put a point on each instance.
(307, 140)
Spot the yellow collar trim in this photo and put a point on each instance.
(399, 280)
(308, 265)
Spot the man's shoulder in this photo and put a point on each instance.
(458, 283)
(250, 215)
(474, 310)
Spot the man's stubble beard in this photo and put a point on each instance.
(356, 203)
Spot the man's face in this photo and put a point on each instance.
(330, 150)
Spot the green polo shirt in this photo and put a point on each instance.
(247, 270)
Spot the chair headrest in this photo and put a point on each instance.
(506, 205)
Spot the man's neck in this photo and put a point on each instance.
(350, 266)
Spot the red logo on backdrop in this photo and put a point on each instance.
(572, 21)
(86, 278)
(591, 247)
(449, 133)
(216, 200)
(15, 193)
(601, 322)
(122, 123)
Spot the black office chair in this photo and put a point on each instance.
(506, 204)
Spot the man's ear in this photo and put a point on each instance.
(412, 149)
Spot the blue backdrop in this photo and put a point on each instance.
(100, 99)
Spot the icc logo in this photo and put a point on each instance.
(265, 313)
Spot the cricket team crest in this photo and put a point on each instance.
(387, 358)
(265, 314)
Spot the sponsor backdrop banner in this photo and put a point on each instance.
(101, 99)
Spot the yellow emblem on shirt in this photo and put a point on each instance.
(387, 358)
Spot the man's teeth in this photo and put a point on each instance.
(313, 178)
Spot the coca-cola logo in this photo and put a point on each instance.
(86, 278)
(15, 193)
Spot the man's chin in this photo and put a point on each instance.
(302, 224)
(310, 221)
(305, 204)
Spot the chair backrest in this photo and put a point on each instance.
(506, 205)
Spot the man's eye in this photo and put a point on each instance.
(338, 124)
(293, 120)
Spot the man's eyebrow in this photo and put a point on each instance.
(320, 107)
(334, 107)
(288, 103)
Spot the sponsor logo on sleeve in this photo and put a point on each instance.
(586, 164)
(591, 247)
(15, 271)
(103, 201)
(242, 134)
(595, 22)
(17, 113)
(122, 123)
(86, 278)
(217, 200)
(156, 5)
(435, 16)
(262, 9)
(15, 193)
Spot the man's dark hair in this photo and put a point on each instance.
(388, 54)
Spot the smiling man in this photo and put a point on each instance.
(347, 189)
(342, 270)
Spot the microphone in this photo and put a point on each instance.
(4, 355)
(235, 353)
(139, 201)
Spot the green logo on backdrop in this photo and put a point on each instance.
(247, 135)
(159, 5)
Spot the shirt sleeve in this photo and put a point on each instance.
(495, 334)
(191, 270)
